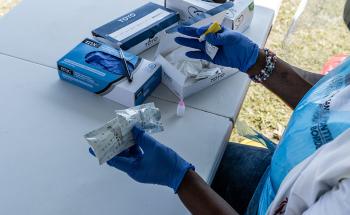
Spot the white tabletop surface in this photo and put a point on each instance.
(43, 31)
(45, 164)
(61, 25)
(272, 4)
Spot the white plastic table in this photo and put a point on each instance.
(272, 4)
(45, 164)
(43, 31)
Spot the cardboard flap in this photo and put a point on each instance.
(167, 42)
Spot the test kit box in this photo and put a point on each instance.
(137, 30)
(172, 77)
(238, 17)
(99, 68)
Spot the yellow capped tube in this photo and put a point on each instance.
(213, 28)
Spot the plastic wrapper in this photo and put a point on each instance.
(115, 136)
(146, 115)
(193, 69)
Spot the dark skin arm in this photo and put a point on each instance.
(310, 77)
(200, 199)
(287, 82)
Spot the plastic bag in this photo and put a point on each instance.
(192, 69)
(115, 136)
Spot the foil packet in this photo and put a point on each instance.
(115, 136)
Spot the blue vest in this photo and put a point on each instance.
(315, 121)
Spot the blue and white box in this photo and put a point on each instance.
(137, 30)
(98, 68)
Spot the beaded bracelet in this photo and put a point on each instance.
(265, 73)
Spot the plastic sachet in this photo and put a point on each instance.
(115, 136)
(146, 115)
(192, 69)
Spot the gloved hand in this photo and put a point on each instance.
(235, 49)
(151, 162)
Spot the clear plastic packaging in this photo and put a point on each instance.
(146, 115)
(192, 69)
(115, 136)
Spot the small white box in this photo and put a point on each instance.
(238, 17)
(174, 79)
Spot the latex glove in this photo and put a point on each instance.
(107, 62)
(235, 49)
(151, 162)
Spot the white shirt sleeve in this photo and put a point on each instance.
(335, 201)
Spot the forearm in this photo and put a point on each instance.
(310, 77)
(286, 81)
(199, 198)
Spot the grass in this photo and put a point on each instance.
(7, 5)
(320, 36)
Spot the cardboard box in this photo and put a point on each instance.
(174, 79)
(137, 30)
(238, 17)
(81, 67)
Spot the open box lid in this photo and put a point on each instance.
(167, 41)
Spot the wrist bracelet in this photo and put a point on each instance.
(266, 72)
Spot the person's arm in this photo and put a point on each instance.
(310, 77)
(285, 81)
(199, 198)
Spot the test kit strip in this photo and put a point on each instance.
(137, 30)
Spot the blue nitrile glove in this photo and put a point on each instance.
(235, 49)
(107, 62)
(151, 162)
